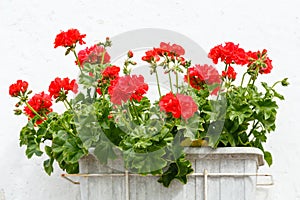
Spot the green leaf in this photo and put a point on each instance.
(268, 157)
(145, 163)
(176, 170)
(48, 166)
(104, 151)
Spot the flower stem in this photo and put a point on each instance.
(77, 59)
(36, 113)
(68, 103)
(243, 77)
(157, 81)
(177, 83)
(170, 81)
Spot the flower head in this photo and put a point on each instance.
(200, 75)
(93, 54)
(18, 88)
(229, 53)
(179, 106)
(127, 87)
(261, 61)
(230, 73)
(68, 38)
(41, 104)
(60, 87)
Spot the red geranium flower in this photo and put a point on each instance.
(176, 49)
(69, 38)
(151, 55)
(111, 72)
(260, 60)
(169, 103)
(201, 75)
(127, 87)
(187, 106)
(60, 87)
(229, 54)
(41, 103)
(230, 73)
(180, 105)
(20, 87)
(93, 55)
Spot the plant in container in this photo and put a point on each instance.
(110, 110)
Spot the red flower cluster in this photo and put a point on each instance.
(233, 54)
(179, 105)
(60, 87)
(20, 87)
(230, 53)
(41, 103)
(93, 55)
(201, 75)
(174, 51)
(152, 55)
(127, 87)
(230, 73)
(111, 72)
(260, 60)
(69, 38)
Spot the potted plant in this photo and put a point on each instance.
(111, 117)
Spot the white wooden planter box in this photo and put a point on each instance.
(219, 174)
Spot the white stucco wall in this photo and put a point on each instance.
(27, 32)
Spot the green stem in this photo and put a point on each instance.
(243, 78)
(68, 103)
(135, 112)
(36, 113)
(170, 81)
(275, 84)
(77, 59)
(177, 83)
(253, 128)
(157, 81)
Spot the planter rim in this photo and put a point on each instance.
(226, 150)
(203, 151)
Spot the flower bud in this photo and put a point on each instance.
(130, 54)
(18, 111)
(284, 82)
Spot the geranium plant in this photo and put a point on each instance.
(110, 110)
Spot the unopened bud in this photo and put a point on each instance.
(130, 54)
(133, 62)
(284, 82)
(18, 111)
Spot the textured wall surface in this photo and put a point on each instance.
(28, 29)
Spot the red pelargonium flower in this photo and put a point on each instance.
(61, 86)
(179, 106)
(229, 54)
(41, 103)
(187, 106)
(151, 55)
(111, 72)
(93, 54)
(18, 88)
(69, 38)
(260, 60)
(176, 49)
(201, 75)
(230, 73)
(127, 87)
(170, 104)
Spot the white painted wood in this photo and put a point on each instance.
(221, 160)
